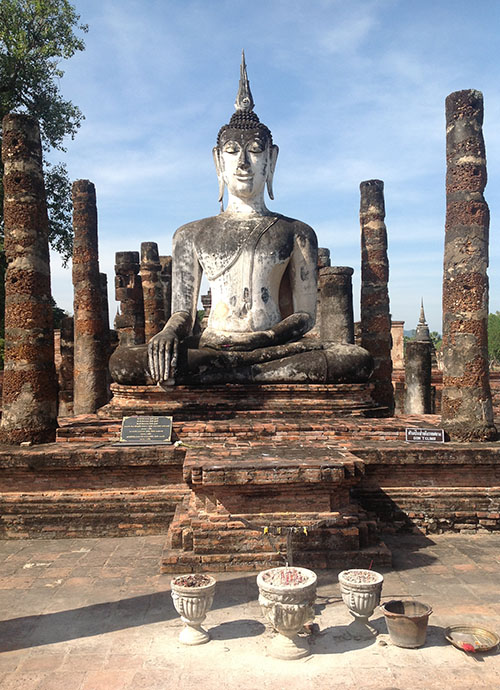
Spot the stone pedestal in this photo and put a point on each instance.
(90, 360)
(336, 317)
(418, 398)
(375, 313)
(467, 412)
(29, 384)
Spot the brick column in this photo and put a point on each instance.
(166, 283)
(103, 282)
(206, 301)
(29, 383)
(107, 347)
(323, 262)
(467, 412)
(90, 379)
(375, 312)
(152, 290)
(66, 370)
(397, 350)
(336, 317)
(418, 398)
(129, 322)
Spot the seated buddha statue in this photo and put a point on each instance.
(262, 270)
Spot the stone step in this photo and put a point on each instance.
(177, 561)
(54, 514)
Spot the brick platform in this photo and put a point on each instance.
(82, 489)
(435, 487)
(241, 485)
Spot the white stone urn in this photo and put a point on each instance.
(193, 596)
(286, 596)
(361, 590)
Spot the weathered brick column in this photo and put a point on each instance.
(418, 398)
(336, 317)
(29, 383)
(375, 312)
(206, 301)
(323, 262)
(129, 322)
(66, 370)
(397, 350)
(166, 283)
(103, 282)
(152, 290)
(467, 412)
(90, 380)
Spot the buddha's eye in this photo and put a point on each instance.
(256, 147)
(231, 147)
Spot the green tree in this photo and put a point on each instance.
(494, 337)
(35, 36)
(436, 339)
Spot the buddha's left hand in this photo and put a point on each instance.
(237, 341)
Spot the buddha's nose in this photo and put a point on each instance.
(243, 162)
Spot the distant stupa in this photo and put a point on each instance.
(422, 330)
(422, 334)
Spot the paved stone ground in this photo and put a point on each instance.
(94, 614)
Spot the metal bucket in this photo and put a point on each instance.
(407, 622)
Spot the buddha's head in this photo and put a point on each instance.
(245, 156)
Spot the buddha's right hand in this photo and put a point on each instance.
(162, 355)
(164, 346)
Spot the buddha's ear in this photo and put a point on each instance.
(273, 157)
(220, 176)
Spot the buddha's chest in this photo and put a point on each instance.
(245, 251)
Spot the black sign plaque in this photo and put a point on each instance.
(424, 435)
(145, 430)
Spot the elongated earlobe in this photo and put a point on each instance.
(220, 177)
(273, 157)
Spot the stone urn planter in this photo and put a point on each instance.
(193, 596)
(361, 590)
(286, 596)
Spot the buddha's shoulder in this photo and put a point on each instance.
(224, 224)
(192, 228)
(296, 226)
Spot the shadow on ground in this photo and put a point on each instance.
(98, 619)
(243, 627)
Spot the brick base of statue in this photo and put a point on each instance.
(257, 401)
(259, 506)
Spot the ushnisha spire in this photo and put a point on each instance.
(244, 117)
(244, 101)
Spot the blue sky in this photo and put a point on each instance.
(351, 91)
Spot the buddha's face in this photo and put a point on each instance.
(244, 157)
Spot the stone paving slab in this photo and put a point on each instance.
(95, 614)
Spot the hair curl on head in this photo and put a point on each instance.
(246, 120)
